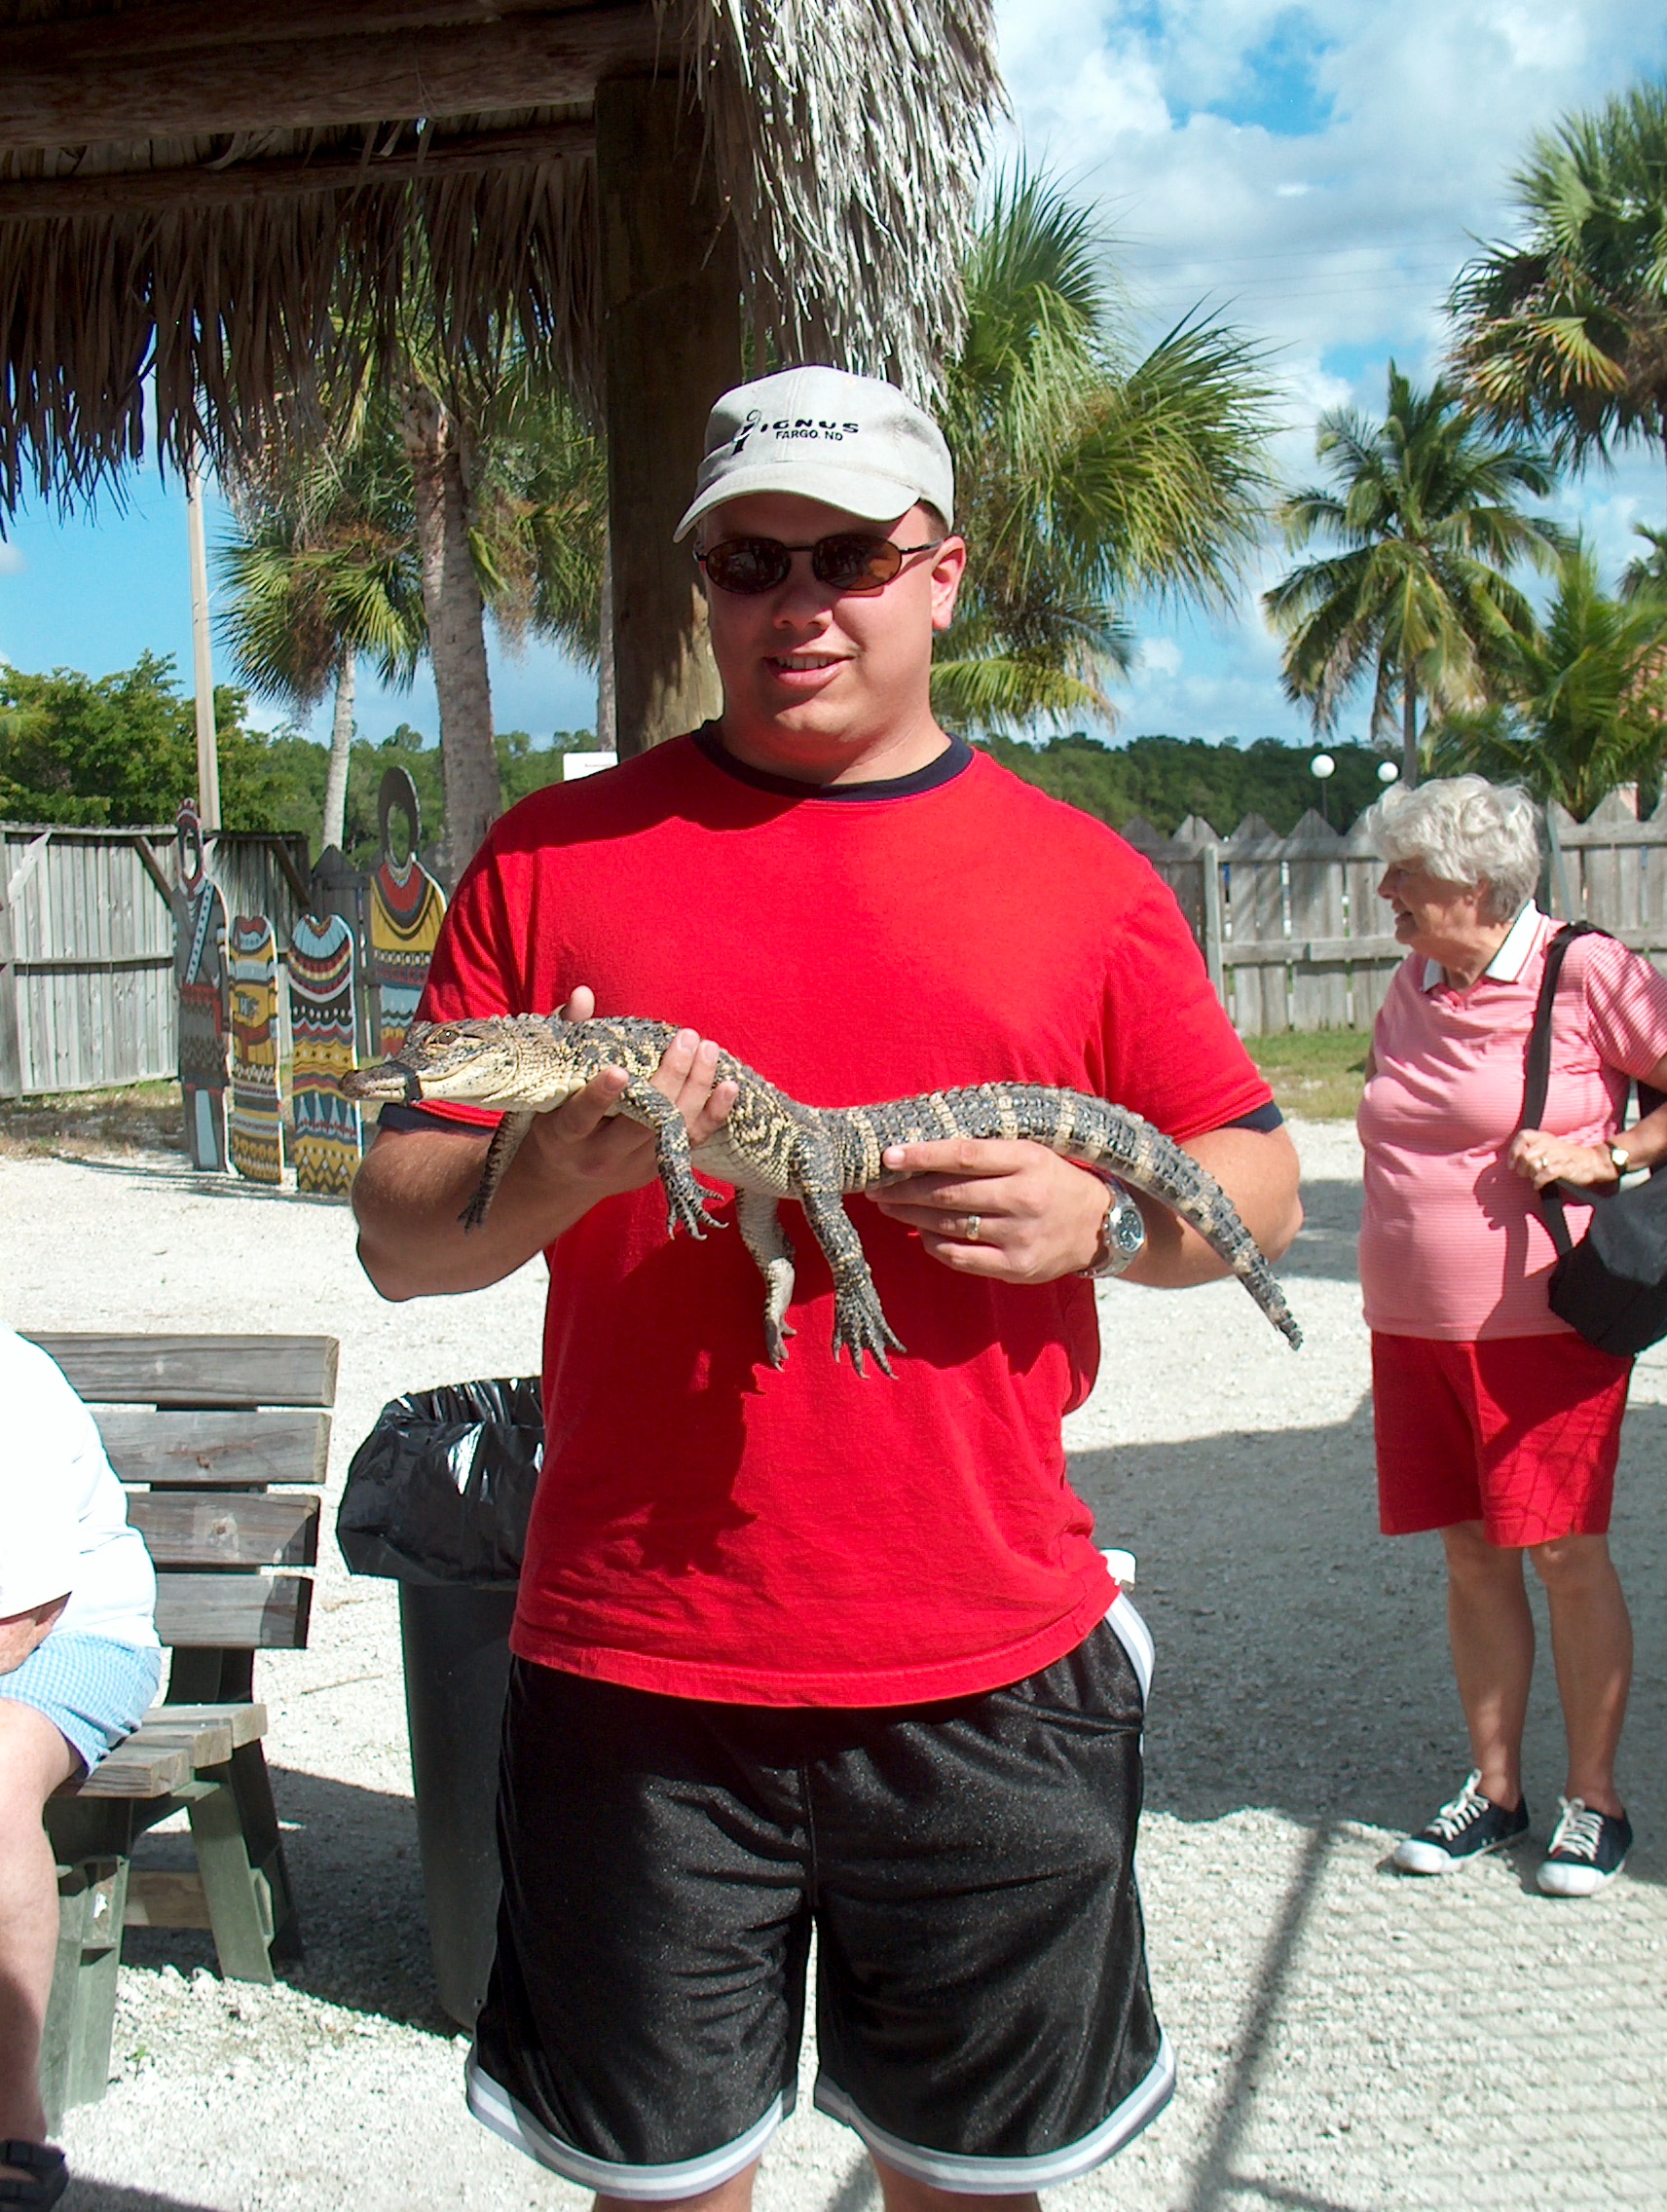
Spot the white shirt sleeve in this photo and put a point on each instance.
(63, 1523)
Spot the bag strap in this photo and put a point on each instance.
(1537, 1066)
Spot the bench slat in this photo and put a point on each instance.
(133, 1772)
(245, 1447)
(187, 1528)
(246, 1723)
(196, 1371)
(261, 1612)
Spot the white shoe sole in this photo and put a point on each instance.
(1413, 1856)
(1560, 1879)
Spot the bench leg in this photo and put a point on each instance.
(81, 2013)
(234, 1887)
(265, 1840)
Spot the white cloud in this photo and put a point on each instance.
(1159, 656)
(1318, 173)
(11, 561)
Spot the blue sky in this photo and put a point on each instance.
(1314, 174)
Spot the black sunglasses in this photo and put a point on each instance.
(849, 561)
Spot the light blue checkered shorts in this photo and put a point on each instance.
(92, 1689)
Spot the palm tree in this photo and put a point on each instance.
(1564, 335)
(1423, 516)
(326, 563)
(1646, 573)
(1584, 697)
(323, 569)
(1087, 478)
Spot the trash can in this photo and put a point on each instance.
(437, 1498)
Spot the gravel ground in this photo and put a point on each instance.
(1348, 2041)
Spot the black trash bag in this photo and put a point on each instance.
(440, 1489)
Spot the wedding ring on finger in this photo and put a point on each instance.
(975, 1223)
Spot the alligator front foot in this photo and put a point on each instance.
(685, 1209)
(776, 1333)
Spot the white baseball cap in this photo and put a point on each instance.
(851, 442)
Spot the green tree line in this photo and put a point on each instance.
(121, 750)
(1167, 779)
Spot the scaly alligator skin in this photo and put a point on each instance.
(774, 1148)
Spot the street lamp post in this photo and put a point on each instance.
(1324, 767)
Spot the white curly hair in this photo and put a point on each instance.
(1466, 831)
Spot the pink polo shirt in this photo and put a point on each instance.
(1451, 1242)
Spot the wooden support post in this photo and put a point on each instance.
(1209, 861)
(672, 341)
(75, 2045)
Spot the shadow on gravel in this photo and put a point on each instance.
(358, 1886)
(1302, 1657)
(87, 2195)
(160, 1176)
(1331, 1224)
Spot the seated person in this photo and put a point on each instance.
(79, 1665)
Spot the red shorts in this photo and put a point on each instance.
(1520, 1433)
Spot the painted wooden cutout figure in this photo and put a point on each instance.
(199, 975)
(323, 1017)
(406, 908)
(257, 1125)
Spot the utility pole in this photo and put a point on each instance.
(207, 745)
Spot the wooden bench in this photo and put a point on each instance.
(212, 1437)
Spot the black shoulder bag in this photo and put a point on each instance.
(1611, 1287)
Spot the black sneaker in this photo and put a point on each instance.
(1587, 1850)
(1465, 1828)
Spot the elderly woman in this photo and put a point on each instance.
(1495, 1422)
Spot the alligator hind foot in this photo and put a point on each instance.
(860, 1326)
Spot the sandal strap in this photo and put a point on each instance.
(47, 2171)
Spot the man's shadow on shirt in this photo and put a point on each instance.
(1301, 1658)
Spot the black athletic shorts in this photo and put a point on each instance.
(982, 2015)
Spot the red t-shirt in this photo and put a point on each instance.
(707, 1527)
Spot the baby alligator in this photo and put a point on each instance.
(774, 1148)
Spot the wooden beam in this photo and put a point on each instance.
(282, 83)
(175, 27)
(110, 1369)
(672, 342)
(287, 176)
(152, 866)
(215, 1449)
(259, 1612)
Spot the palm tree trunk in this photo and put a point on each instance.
(1409, 729)
(456, 625)
(607, 698)
(335, 827)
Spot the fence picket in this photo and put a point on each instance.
(1319, 986)
(1369, 973)
(1256, 924)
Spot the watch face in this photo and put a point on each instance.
(1128, 1230)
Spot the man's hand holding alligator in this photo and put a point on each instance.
(589, 1148)
(1007, 1209)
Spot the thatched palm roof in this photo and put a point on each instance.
(184, 182)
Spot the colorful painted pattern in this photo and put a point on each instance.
(406, 910)
(328, 1134)
(256, 1130)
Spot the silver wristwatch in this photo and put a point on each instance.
(1121, 1235)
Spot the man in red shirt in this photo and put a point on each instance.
(797, 1647)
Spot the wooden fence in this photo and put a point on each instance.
(86, 994)
(1292, 928)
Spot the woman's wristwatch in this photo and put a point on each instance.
(1122, 1234)
(1620, 1159)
